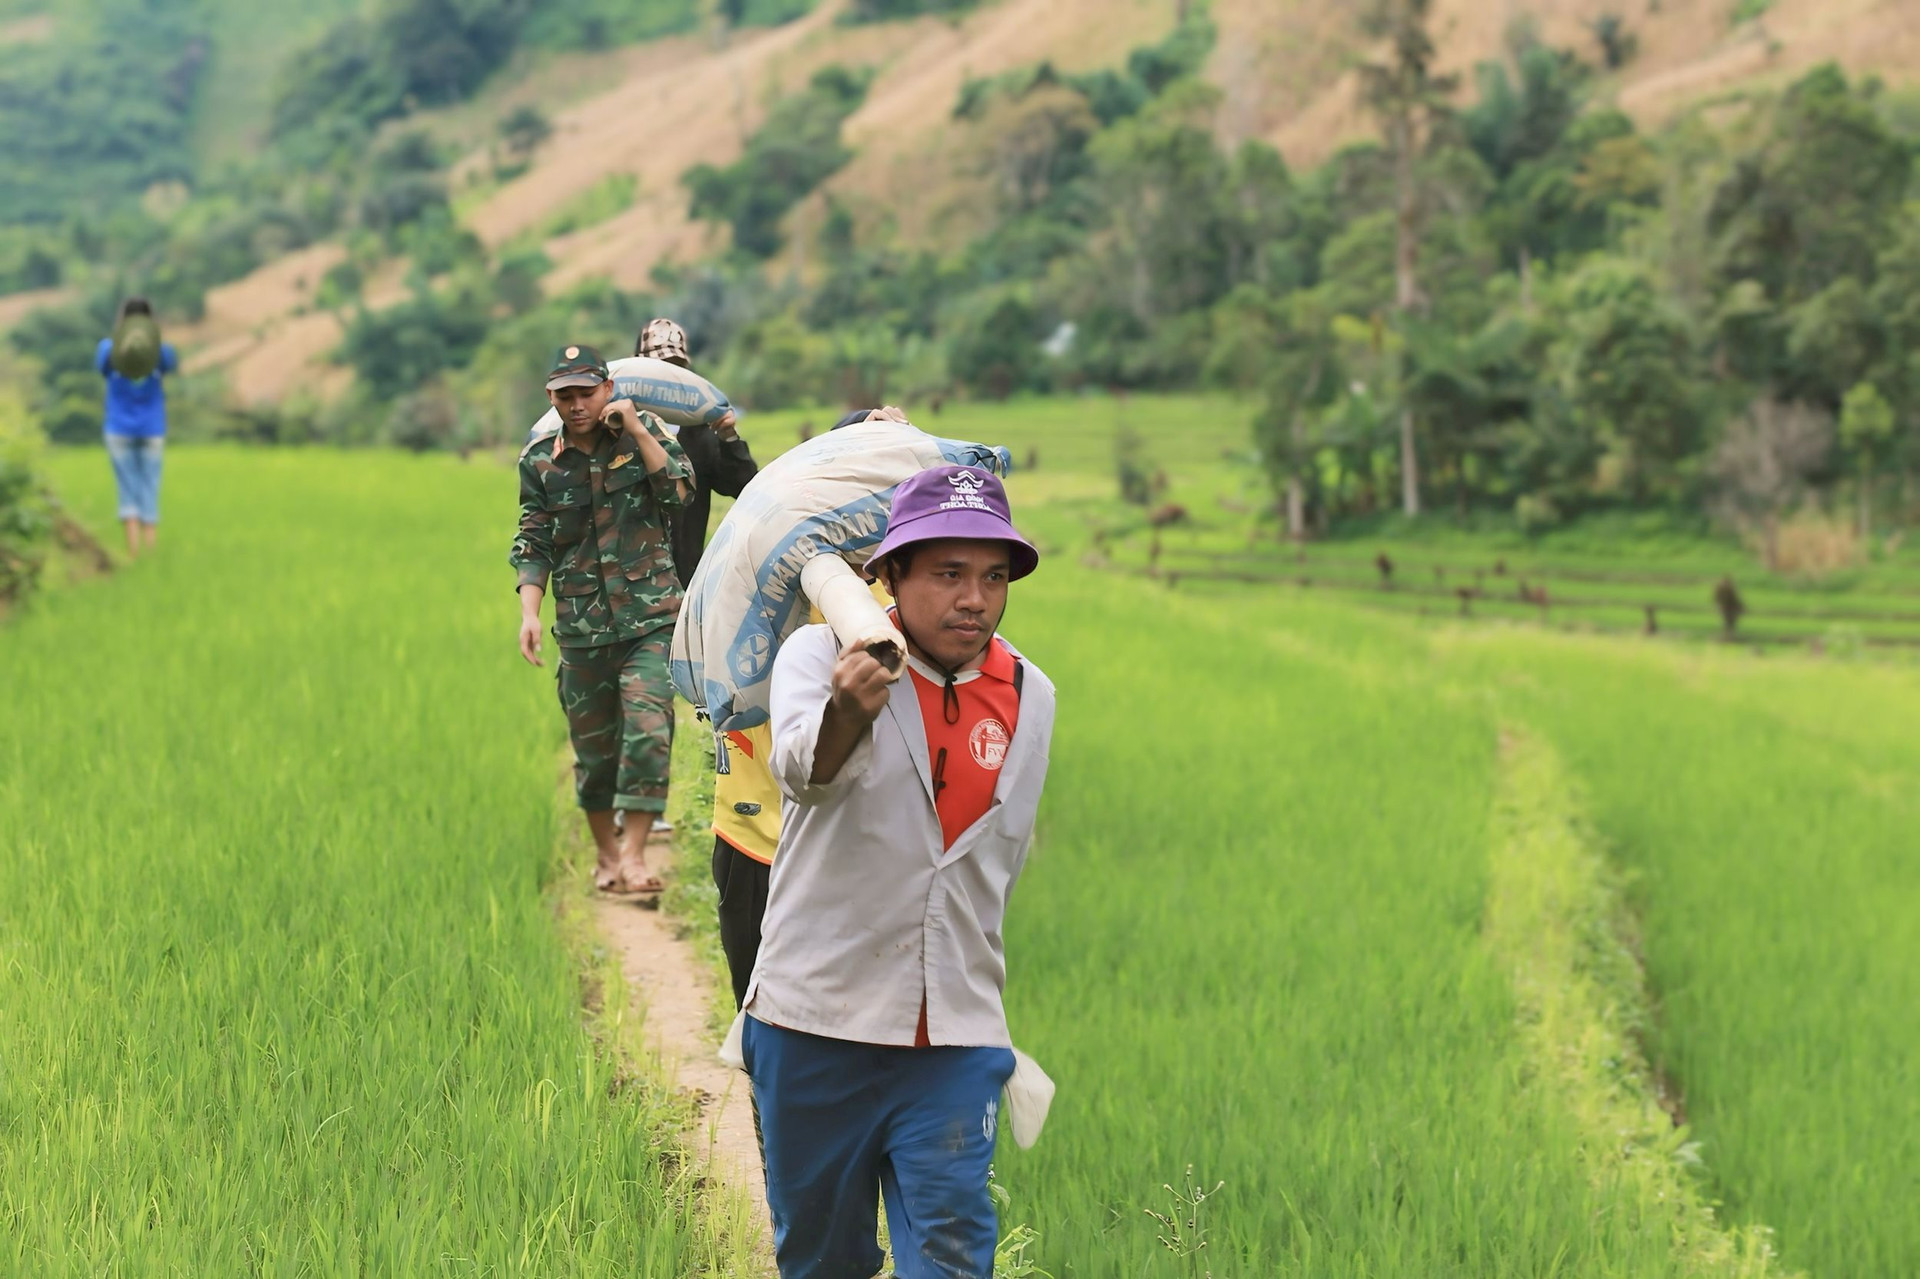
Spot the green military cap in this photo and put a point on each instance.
(575, 365)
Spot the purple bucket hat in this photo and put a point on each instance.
(955, 501)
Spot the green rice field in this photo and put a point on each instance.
(282, 989)
(1443, 946)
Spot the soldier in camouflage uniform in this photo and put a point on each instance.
(595, 500)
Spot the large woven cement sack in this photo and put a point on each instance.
(680, 396)
(827, 498)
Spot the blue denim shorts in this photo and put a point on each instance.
(136, 471)
(841, 1120)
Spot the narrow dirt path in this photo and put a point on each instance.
(675, 990)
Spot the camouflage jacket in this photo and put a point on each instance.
(597, 523)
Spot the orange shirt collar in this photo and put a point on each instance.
(999, 663)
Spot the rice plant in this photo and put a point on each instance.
(281, 990)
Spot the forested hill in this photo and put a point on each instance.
(1634, 222)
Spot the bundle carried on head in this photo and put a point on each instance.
(136, 341)
(680, 397)
(796, 535)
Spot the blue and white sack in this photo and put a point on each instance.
(828, 497)
(680, 396)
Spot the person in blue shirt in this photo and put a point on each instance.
(136, 433)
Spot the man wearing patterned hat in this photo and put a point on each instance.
(874, 1032)
(721, 461)
(595, 502)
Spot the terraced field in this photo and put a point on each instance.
(282, 989)
(1450, 947)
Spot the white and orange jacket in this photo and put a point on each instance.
(868, 910)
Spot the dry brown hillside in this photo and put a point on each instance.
(1288, 79)
(34, 29)
(16, 306)
(693, 104)
(1284, 68)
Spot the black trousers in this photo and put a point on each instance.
(742, 882)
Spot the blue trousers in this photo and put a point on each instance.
(136, 473)
(846, 1123)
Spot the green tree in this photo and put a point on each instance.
(1562, 204)
(1628, 366)
(890, 10)
(994, 346)
(793, 152)
(1160, 176)
(516, 279)
(1360, 429)
(1511, 123)
(523, 129)
(776, 362)
(1834, 340)
(1259, 217)
(1817, 198)
(1180, 55)
(1618, 45)
(1304, 378)
(346, 75)
(1032, 144)
(340, 285)
(1747, 334)
(94, 117)
(1411, 101)
(1895, 299)
(395, 351)
(1866, 431)
(1357, 269)
(1471, 390)
(58, 343)
(28, 260)
(865, 358)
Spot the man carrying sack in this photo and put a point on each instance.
(595, 500)
(874, 1031)
(721, 461)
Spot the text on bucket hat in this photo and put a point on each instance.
(955, 502)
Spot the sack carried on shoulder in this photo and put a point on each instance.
(679, 396)
(829, 497)
(136, 347)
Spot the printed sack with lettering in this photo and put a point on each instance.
(680, 396)
(829, 497)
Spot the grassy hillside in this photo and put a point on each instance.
(1282, 69)
(292, 267)
(252, 43)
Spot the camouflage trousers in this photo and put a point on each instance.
(619, 704)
